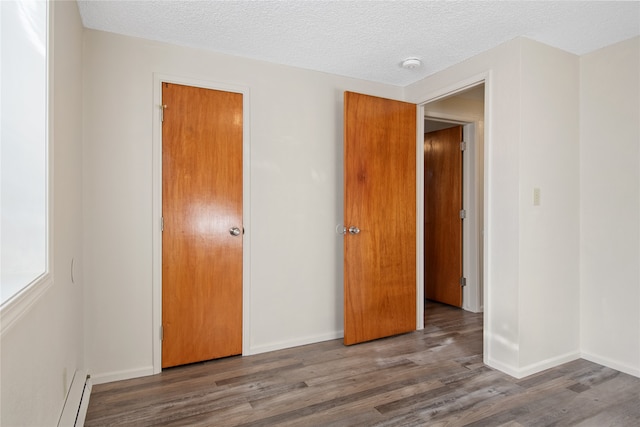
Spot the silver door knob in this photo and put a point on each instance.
(354, 230)
(234, 231)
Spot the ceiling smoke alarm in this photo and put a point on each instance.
(411, 63)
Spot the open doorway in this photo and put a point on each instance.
(463, 110)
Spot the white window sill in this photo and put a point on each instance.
(20, 303)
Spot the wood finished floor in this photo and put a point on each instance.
(433, 377)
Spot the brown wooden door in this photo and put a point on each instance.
(442, 222)
(380, 200)
(201, 202)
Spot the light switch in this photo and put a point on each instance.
(536, 197)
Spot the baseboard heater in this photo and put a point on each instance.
(77, 402)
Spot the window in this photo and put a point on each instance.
(24, 178)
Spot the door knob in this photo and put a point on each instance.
(234, 231)
(354, 230)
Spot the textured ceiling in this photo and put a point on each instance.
(366, 39)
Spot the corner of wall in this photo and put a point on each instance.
(610, 206)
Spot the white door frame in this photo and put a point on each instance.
(445, 92)
(156, 285)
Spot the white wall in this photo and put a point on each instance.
(533, 269)
(41, 351)
(296, 196)
(610, 206)
(549, 233)
(520, 336)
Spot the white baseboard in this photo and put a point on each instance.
(533, 368)
(108, 377)
(76, 404)
(613, 364)
(552, 362)
(502, 367)
(280, 345)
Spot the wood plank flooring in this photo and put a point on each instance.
(433, 377)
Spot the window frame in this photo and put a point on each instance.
(19, 303)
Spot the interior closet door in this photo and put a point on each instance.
(442, 219)
(202, 224)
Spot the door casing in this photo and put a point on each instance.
(158, 79)
(437, 94)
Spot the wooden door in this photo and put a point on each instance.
(442, 222)
(380, 203)
(201, 203)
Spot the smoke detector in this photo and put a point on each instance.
(411, 63)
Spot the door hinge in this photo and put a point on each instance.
(162, 107)
(463, 281)
(161, 332)
(161, 223)
(463, 214)
(463, 145)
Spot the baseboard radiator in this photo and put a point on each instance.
(77, 402)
